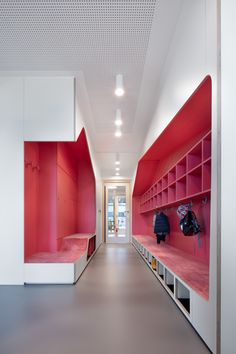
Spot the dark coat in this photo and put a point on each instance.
(162, 225)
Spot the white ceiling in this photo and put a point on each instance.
(100, 38)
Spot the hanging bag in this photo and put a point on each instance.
(189, 224)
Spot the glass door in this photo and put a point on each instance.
(117, 212)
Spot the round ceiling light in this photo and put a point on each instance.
(119, 91)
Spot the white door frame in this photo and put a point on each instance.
(128, 214)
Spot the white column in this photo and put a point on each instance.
(228, 176)
(11, 181)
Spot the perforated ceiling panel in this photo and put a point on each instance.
(98, 37)
(65, 34)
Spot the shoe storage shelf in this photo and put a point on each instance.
(189, 178)
(174, 285)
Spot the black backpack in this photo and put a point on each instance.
(189, 224)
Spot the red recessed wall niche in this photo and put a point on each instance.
(176, 170)
(60, 195)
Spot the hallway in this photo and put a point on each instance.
(117, 306)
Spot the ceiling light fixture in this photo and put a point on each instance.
(117, 162)
(117, 174)
(118, 121)
(118, 133)
(119, 91)
(117, 168)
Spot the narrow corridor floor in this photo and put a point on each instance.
(117, 306)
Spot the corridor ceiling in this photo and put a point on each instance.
(96, 39)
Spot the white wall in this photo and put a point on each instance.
(83, 114)
(192, 55)
(49, 108)
(228, 176)
(12, 181)
(19, 119)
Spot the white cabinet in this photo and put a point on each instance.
(49, 109)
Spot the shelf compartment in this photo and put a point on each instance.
(155, 189)
(159, 186)
(154, 264)
(149, 258)
(151, 203)
(165, 197)
(194, 181)
(164, 181)
(181, 168)
(206, 175)
(172, 176)
(181, 188)
(194, 157)
(159, 200)
(172, 193)
(206, 148)
(183, 295)
(160, 270)
(154, 205)
(169, 280)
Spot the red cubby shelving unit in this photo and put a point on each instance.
(190, 177)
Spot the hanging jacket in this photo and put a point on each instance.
(162, 225)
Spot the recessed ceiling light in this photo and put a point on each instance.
(119, 91)
(117, 168)
(118, 134)
(117, 174)
(117, 162)
(118, 121)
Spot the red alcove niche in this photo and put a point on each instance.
(176, 170)
(60, 195)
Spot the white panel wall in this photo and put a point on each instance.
(34, 109)
(49, 108)
(228, 176)
(192, 55)
(12, 182)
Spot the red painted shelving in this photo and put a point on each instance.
(189, 178)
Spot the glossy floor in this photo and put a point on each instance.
(117, 306)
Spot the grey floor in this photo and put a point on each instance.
(117, 306)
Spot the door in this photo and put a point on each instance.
(117, 213)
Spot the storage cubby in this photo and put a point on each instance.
(159, 199)
(154, 202)
(172, 193)
(183, 295)
(194, 157)
(181, 168)
(207, 147)
(181, 189)
(164, 182)
(206, 175)
(194, 181)
(159, 186)
(155, 189)
(165, 196)
(149, 258)
(172, 176)
(169, 280)
(154, 264)
(160, 270)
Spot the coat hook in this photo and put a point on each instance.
(205, 200)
